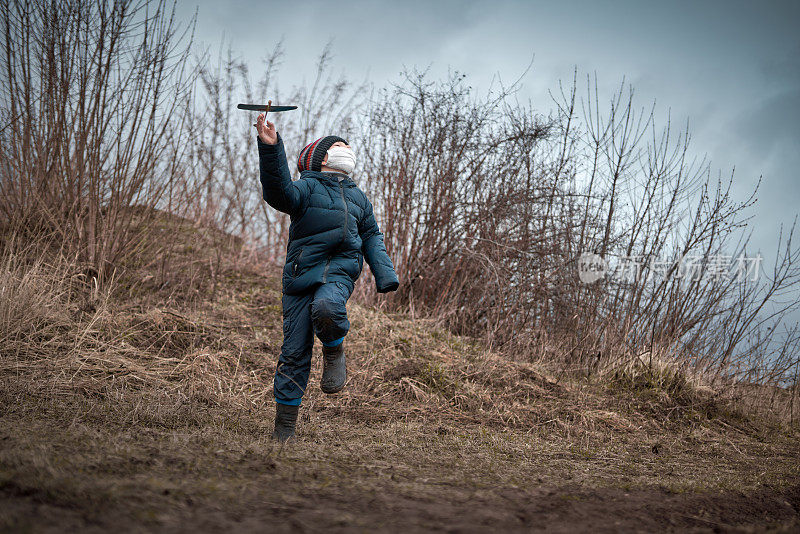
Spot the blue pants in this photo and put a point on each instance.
(321, 311)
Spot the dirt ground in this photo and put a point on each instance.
(451, 510)
(73, 465)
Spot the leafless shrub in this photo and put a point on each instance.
(487, 207)
(657, 205)
(455, 180)
(90, 94)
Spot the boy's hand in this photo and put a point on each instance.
(266, 131)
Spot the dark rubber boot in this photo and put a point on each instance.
(334, 370)
(285, 420)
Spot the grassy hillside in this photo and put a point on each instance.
(148, 402)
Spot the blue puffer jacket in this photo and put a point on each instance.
(332, 226)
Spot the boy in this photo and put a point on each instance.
(332, 231)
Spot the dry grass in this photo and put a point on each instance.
(150, 402)
(33, 304)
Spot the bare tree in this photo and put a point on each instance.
(487, 207)
(91, 91)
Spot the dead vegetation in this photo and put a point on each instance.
(212, 328)
(150, 404)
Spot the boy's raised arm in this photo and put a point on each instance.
(374, 250)
(279, 190)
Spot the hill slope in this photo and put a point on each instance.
(150, 405)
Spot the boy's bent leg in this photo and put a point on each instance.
(294, 364)
(329, 313)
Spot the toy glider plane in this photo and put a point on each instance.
(268, 108)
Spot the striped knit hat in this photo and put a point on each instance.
(312, 155)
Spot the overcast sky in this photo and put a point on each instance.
(732, 68)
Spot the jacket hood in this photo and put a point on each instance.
(330, 177)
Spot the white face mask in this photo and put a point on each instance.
(341, 158)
